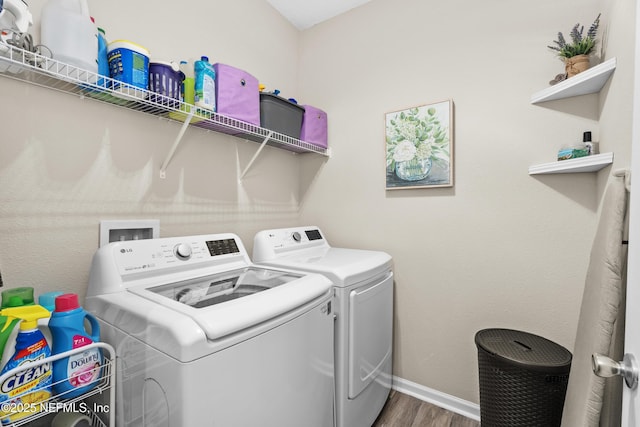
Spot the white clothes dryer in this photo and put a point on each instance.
(205, 338)
(363, 284)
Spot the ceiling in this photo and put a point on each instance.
(304, 14)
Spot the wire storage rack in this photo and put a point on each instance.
(39, 70)
(98, 403)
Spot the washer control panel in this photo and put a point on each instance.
(293, 237)
(158, 254)
(269, 243)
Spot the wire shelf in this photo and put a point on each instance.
(105, 382)
(39, 70)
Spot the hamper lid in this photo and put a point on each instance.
(524, 349)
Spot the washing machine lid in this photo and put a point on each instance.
(228, 302)
(344, 267)
(219, 288)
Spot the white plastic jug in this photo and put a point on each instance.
(67, 30)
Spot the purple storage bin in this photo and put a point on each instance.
(314, 126)
(165, 80)
(237, 94)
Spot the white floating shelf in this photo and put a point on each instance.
(581, 164)
(586, 82)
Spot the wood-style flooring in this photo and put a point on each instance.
(402, 410)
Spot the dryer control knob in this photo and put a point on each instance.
(182, 251)
(296, 236)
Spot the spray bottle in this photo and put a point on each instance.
(76, 374)
(21, 394)
(14, 297)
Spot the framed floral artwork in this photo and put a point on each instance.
(419, 143)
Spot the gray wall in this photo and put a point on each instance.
(501, 248)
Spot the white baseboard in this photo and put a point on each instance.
(446, 401)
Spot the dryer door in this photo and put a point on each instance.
(370, 332)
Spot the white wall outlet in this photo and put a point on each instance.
(134, 229)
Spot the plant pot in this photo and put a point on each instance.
(576, 64)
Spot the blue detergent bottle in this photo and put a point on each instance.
(22, 393)
(103, 62)
(79, 373)
(205, 84)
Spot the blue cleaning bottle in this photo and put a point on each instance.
(48, 300)
(22, 393)
(103, 62)
(205, 84)
(79, 373)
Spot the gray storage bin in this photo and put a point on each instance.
(280, 115)
(523, 379)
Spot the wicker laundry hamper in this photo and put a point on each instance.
(523, 379)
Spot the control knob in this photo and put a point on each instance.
(182, 251)
(296, 236)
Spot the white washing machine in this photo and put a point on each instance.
(363, 283)
(205, 338)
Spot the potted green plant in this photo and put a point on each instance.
(575, 52)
